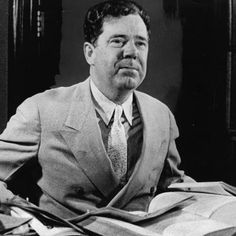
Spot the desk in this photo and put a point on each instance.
(206, 213)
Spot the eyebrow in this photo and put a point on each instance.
(124, 36)
(142, 38)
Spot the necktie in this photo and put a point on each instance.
(117, 145)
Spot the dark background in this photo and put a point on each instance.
(190, 68)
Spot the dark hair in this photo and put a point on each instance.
(95, 16)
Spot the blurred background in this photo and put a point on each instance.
(191, 68)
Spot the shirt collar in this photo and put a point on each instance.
(105, 107)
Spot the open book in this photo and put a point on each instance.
(169, 214)
(105, 221)
(217, 187)
(203, 215)
(209, 214)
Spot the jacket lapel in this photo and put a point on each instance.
(152, 131)
(82, 134)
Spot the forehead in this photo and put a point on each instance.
(130, 25)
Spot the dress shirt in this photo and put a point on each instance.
(105, 107)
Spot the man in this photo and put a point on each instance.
(100, 142)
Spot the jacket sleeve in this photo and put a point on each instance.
(171, 172)
(19, 143)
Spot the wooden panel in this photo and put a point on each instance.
(3, 62)
(233, 72)
(231, 80)
(34, 47)
(201, 114)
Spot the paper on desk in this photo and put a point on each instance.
(206, 204)
(40, 228)
(8, 223)
(199, 228)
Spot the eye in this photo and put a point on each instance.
(117, 42)
(141, 44)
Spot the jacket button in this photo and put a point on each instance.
(79, 190)
(152, 191)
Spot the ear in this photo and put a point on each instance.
(89, 53)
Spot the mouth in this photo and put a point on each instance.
(128, 68)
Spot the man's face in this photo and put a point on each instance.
(120, 54)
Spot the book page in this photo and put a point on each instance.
(231, 189)
(131, 227)
(11, 222)
(196, 228)
(206, 204)
(42, 229)
(203, 204)
(205, 187)
(226, 213)
(179, 222)
(203, 207)
(176, 215)
(166, 199)
(161, 223)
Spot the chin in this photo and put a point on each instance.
(129, 83)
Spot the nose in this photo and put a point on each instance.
(130, 50)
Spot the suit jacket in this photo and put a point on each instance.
(58, 130)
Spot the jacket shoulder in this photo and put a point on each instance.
(55, 94)
(159, 109)
(153, 102)
(51, 104)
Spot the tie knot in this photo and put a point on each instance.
(118, 112)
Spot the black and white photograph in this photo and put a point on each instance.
(118, 117)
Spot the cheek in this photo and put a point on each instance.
(144, 57)
(106, 60)
(143, 64)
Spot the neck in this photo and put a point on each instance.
(118, 96)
